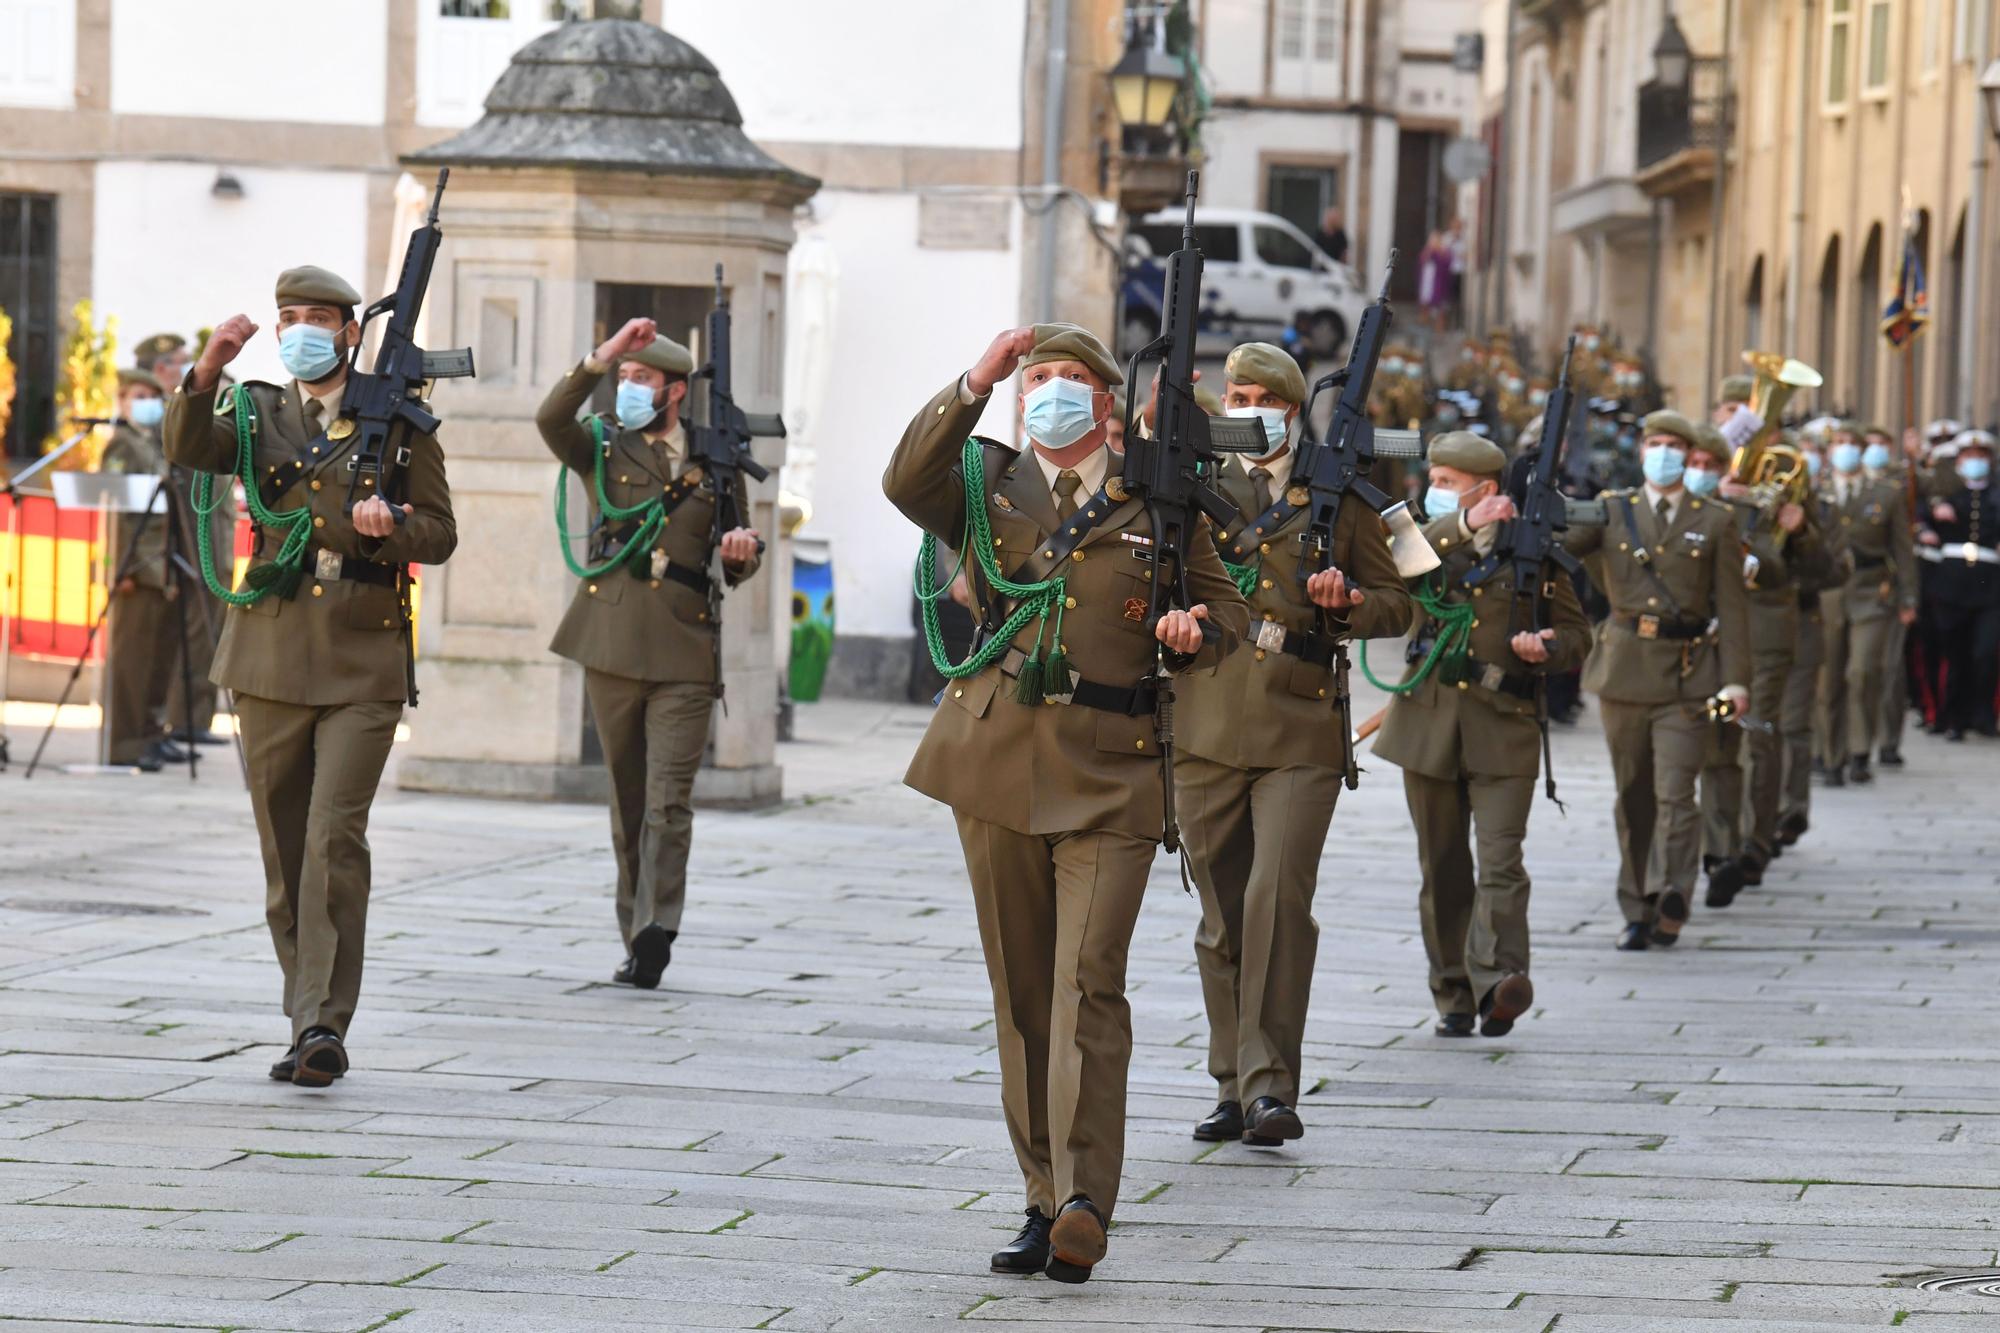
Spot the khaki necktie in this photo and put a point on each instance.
(1067, 485)
(1260, 486)
(1665, 510)
(312, 418)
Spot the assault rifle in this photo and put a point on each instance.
(1333, 466)
(719, 434)
(386, 404)
(1170, 471)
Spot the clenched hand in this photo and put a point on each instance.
(1180, 631)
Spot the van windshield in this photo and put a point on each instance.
(1281, 249)
(1217, 243)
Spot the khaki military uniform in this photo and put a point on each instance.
(142, 625)
(1726, 814)
(1059, 806)
(1895, 648)
(1872, 526)
(1810, 578)
(319, 678)
(1261, 768)
(645, 639)
(192, 692)
(1470, 750)
(1675, 636)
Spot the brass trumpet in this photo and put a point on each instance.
(1775, 472)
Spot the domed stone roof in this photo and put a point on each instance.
(614, 95)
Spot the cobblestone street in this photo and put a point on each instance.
(1786, 1123)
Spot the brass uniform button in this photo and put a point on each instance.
(388, 624)
(1260, 654)
(318, 522)
(1463, 685)
(1322, 691)
(315, 483)
(1069, 603)
(1077, 556)
(958, 694)
(656, 583)
(1267, 583)
(318, 591)
(1139, 745)
(593, 589)
(1266, 549)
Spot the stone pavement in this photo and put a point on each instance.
(1784, 1123)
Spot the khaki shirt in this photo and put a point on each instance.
(135, 451)
(1871, 525)
(337, 640)
(627, 622)
(1049, 768)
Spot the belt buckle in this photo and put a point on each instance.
(326, 564)
(1971, 550)
(1491, 677)
(1649, 627)
(659, 564)
(1064, 697)
(1271, 636)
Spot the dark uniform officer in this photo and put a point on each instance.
(1262, 758)
(142, 628)
(640, 624)
(1671, 565)
(1959, 544)
(1465, 730)
(1059, 803)
(314, 646)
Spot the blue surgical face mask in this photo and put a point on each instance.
(1974, 469)
(1700, 481)
(1813, 465)
(1663, 464)
(147, 411)
(1845, 457)
(308, 352)
(635, 406)
(1272, 417)
(1060, 413)
(1875, 457)
(1440, 503)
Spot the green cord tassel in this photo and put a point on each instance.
(1028, 689)
(1058, 679)
(1244, 576)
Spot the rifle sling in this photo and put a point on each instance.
(1054, 550)
(1644, 558)
(1263, 525)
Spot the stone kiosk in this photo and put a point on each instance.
(607, 178)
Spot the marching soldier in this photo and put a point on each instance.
(1802, 681)
(1882, 460)
(1464, 728)
(1670, 563)
(1058, 803)
(1959, 543)
(1262, 759)
(314, 648)
(142, 613)
(639, 625)
(1873, 528)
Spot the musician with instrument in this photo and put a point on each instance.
(1465, 726)
(644, 622)
(1262, 740)
(343, 496)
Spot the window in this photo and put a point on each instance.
(1875, 75)
(1839, 52)
(1292, 29)
(1301, 195)
(37, 53)
(28, 293)
(1933, 35)
(1753, 307)
(1281, 249)
(1218, 245)
(1868, 306)
(1307, 51)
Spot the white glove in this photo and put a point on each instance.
(1736, 431)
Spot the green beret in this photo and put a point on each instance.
(664, 354)
(1468, 453)
(1709, 440)
(1267, 365)
(1073, 342)
(308, 285)
(1735, 389)
(152, 349)
(1668, 422)
(1209, 400)
(141, 379)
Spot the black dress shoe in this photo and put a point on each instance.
(1076, 1241)
(200, 738)
(1270, 1122)
(1724, 883)
(1028, 1253)
(286, 1065)
(1632, 939)
(652, 950)
(1834, 777)
(322, 1058)
(1223, 1125)
(1954, 734)
(1891, 757)
(149, 761)
(1792, 827)
(623, 976)
(1511, 996)
(1673, 914)
(1857, 770)
(1454, 1025)
(169, 752)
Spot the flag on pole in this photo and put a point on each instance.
(1909, 308)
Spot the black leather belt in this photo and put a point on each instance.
(1519, 684)
(1862, 562)
(1128, 701)
(1318, 649)
(642, 569)
(1661, 627)
(324, 564)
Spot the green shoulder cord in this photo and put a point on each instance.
(287, 568)
(1244, 577)
(652, 515)
(1043, 599)
(1448, 645)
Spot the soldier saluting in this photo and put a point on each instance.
(640, 625)
(311, 649)
(1044, 746)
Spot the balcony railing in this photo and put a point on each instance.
(1674, 118)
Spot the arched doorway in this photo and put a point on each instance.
(1753, 308)
(1954, 326)
(1828, 344)
(1867, 328)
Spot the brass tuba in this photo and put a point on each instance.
(1776, 473)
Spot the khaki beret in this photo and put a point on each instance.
(152, 349)
(1735, 389)
(1208, 400)
(1468, 453)
(1845, 426)
(309, 285)
(1668, 422)
(1073, 342)
(1267, 365)
(1530, 436)
(1708, 440)
(1872, 429)
(140, 379)
(665, 354)
(1118, 404)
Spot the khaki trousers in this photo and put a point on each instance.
(204, 634)
(1895, 686)
(1850, 679)
(1764, 751)
(313, 775)
(1056, 913)
(1721, 791)
(1475, 915)
(142, 649)
(1797, 710)
(1253, 839)
(1656, 754)
(653, 734)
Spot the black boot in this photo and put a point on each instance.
(1028, 1253)
(1857, 770)
(652, 950)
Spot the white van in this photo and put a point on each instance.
(1260, 274)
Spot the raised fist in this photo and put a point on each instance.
(1001, 359)
(223, 347)
(636, 335)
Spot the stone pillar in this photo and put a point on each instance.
(610, 154)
